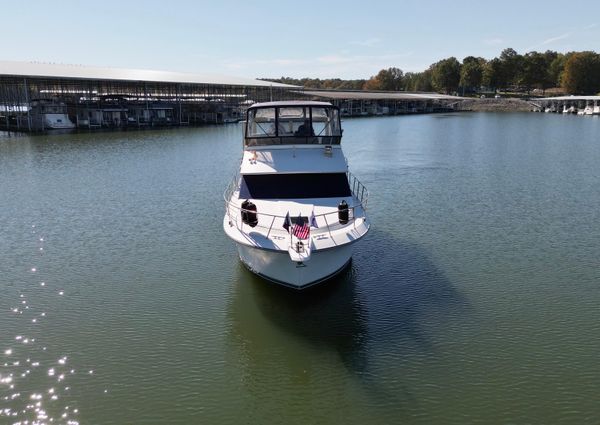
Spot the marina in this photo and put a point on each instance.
(326, 213)
(110, 98)
(473, 298)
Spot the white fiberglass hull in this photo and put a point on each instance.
(278, 267)
(57, 121)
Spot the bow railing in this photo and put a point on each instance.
(273, 224)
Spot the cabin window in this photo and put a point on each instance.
(294, 186)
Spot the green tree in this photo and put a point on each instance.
(581, 74)
(492, 74)
(351, 84)
(471, 73)
(549, 79)
(534, 71)
(512, 68)
(418, 81)
(445, 75)
(556, 69)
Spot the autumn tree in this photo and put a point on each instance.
(387, 79)
(581, 74)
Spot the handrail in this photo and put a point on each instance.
(274, 223)
(363, 197)
(234, 211)
(357, 186)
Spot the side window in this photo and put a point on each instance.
(261, 123)
(326, 122)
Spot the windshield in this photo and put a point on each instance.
(293, 125)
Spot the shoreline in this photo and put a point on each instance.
(495, 105)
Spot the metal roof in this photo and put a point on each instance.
(290, 103)
(574, 98)
(371, 95)
(51, 70)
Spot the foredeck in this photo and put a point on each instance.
(269, 231)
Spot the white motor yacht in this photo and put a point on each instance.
(47, 114)
(294, 210)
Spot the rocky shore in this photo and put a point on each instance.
(495, 105)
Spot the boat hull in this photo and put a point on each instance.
(57, 122)
(277, 266)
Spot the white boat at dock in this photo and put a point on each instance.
(294, 211)
(47, 114)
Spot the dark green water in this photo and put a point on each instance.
(474, 299)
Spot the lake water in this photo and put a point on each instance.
(475, 298)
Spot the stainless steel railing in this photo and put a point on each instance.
(273, 223)
(359, 191)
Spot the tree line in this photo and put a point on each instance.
(577, 73)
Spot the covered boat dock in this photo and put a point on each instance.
(366, 103)
(115, 98)
(37, 96)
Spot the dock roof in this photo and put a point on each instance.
(378, 95)
(290, 103)
(573, 98)
(52, 70)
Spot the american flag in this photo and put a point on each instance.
(301, 228)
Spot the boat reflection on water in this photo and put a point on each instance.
(327, 316)
(377, 312)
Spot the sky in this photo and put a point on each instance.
(269, 39)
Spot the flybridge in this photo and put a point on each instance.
(292, 123)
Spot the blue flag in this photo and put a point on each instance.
(313, 220)
(287, 222)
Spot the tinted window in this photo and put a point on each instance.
(294, 186)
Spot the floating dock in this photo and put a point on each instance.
(580, 105)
